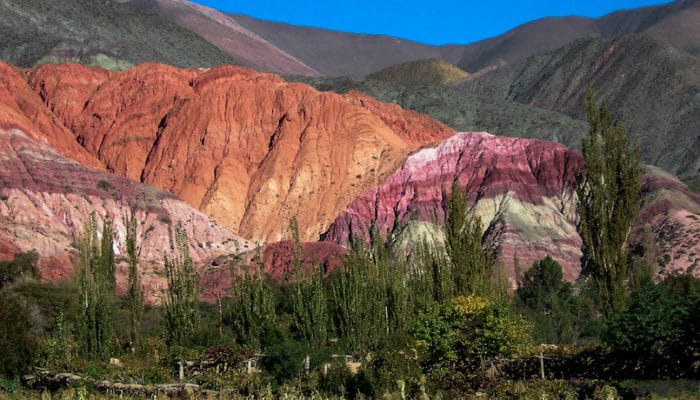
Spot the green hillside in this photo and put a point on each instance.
(102, 33)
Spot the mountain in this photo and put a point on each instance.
(101, 33)
(523, 191)
(423, 71)
(462, 110)
(523, 41)
(246, 148)
(346, 54)
(46, 198)
(658, 100)
(675, 23)
(226, 34)
(334, 53)
(252, 151)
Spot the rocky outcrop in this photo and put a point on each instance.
(45, 200)
(278, 258)
(246, 148)
(523, 192)
(667, 232)
(521, 189)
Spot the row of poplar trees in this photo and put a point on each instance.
(371, 297)
(97, 289)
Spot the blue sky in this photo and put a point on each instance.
(427, 21)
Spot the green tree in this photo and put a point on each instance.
(107, 254)
(95, 290)
(649, 334)
(22, 264)
(550, 302)
(471, 264)
(252, 310)
(608, 202)
(134, 293)
(307, 297)
(357, 301)
(181, 303)
(16, 343)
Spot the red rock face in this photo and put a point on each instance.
(45, 200)
(278, 258)
(22, 109)
(246, 148)
(522, 190)
(671, 213)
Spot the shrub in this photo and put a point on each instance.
(17, 346)
(104, 185)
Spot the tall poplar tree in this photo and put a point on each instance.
(134, 293)
(471, 264)
(307, 297)
(608, 202)
(252, 312)
(95, 289)
(181, 303)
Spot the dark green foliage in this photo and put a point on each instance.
(104, 185)
(107, 255)
(181, 303)
(608, 202)
(369, 296)
(22, 264)
(550, 302)
(95, 290)
(471, 264)
(285, 360)
(394, 368)
(649, 333)
(251, 312)
(307, 298)
(58, 352)
(134, 292)
(17, 346)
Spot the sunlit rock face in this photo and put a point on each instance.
(246, 148)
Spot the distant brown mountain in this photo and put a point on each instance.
(345, 54)
(225, 33)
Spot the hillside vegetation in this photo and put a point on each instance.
(423, 71)
(86, 31)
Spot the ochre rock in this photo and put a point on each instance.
(21, 108)
(246, 148)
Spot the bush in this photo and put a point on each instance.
(549, 302)
(285, 361)
(17, 346)
(648, 336)
(22, 264)
(104, 185)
